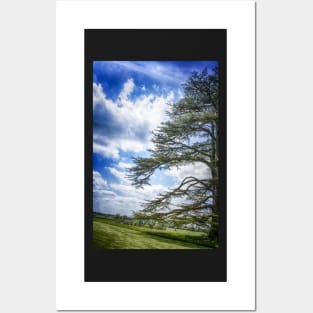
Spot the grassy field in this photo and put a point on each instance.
(108, 234)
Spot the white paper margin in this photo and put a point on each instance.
(238, 293)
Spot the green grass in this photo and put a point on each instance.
(108, 234)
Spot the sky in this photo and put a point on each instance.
(130, 100)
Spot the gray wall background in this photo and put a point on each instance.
(284, 156)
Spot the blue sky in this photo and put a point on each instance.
(130, 99)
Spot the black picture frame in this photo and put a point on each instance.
(155, 265)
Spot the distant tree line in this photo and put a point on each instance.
(150, 223)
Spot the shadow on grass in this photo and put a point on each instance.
(108, 234)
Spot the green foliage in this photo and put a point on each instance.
(190, 135)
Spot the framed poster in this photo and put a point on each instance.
(153, 198)
(155, 155)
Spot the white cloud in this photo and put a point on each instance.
(124, 165)
(118, 174)
(155, 87)
(126, 125)
(108, 150)
(156, 70)
(149, 192)
(99, 96)
(127, 90)
(105, 193)
(122, 197)
(196, 169)
(125, 187)
(117, 205)
(98, 182)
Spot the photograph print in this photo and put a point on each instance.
(155, 154)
